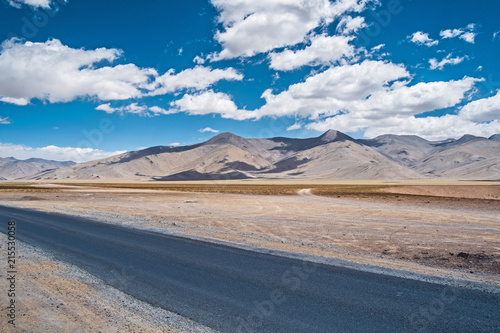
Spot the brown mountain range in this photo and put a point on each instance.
(333, 155)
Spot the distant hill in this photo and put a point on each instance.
(332, 155)
(12, 169)
(495, 137)
(469, 157)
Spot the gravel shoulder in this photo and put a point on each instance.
(53, 296)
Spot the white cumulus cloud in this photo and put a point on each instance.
(486, 109)
(256, 26)
(16, 101)
(421, 38)
(331, 91)
(350, 25)
(54, 72)
(412, 100)
(210, 102)
(431, 128)
(323, 50)
(294, 127)
(448, 60)
(56, 153)
(496, 34)
(31, 3)
(134, 108)
(373, 96)
(467, 34)
(395, 110)
(208, 129)
(197, 78)
(198, 60)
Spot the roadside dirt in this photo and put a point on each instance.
(405, 228)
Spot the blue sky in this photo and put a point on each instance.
(87, 79)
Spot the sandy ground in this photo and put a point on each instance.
(445, 235)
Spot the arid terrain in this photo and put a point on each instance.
(433, 226)
(444, 229)
(330, 156)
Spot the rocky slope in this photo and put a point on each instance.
(11, 168)
(332, 155)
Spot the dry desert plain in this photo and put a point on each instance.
(447, 229)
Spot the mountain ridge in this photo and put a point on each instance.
(13, 169)
(331, 155)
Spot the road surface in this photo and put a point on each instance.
(235, 290)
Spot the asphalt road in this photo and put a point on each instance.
(234, 290)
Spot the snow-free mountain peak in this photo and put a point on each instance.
(227, 138)
(333, 135)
